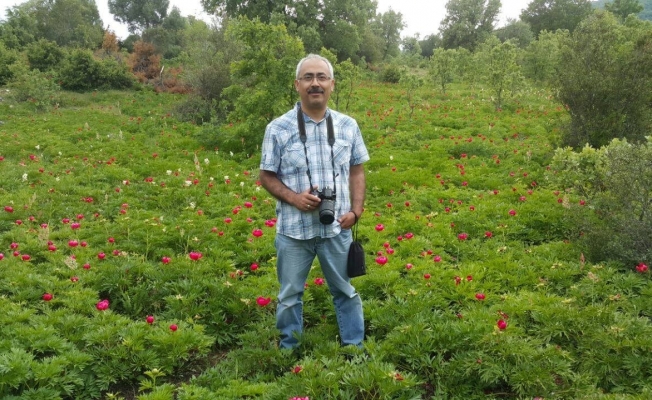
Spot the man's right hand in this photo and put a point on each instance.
(306, 201)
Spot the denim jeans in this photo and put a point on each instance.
(294, 259)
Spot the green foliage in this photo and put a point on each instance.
(7, 58)
(615, 181)
(442, 66)
(604, 79)
(502, 73)
(34, 87)
(44, 55)
(468, 22)
(139, 15)
(623, 8)
(541, 59)
(347, 77)
(551, 15)
(462, 200)
(262, 79)
(80, 71)
(391, 73)
(517, 31)
(168, 37)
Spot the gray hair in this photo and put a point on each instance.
(311, 57)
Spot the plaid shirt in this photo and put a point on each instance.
(283, 153)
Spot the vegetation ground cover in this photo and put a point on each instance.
(137, 260)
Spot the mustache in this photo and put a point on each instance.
(316, 90)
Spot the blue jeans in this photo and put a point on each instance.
(294, 259)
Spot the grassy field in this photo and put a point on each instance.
(137, 261)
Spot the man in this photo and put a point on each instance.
(293, 170)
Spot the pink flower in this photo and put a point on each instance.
(512, 212)
(296, 369)
(257, 232)
(379, 227)
(150, 319)
(480, 296)
(319, 281)
(174, 327)
(47, 296)
(166, 260)
(101, 256)
(463, 236)
(501, 324)
(437, 258)
(642, 268)
(102, 305)
(381, 260)
(263, 301)
(253, 266)
(195, 255)
(426, 276)
(488, 234)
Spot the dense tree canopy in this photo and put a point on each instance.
(468, 22)
(139, 14)
(623, 8)
(72, 23)
(555, 14)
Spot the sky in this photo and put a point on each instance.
(421, 16)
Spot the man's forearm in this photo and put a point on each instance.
(357, 187)
(276, 188)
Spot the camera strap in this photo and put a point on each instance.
(331, 142)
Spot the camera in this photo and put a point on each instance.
(327, 205)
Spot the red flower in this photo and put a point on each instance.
(150, 319)
(426, 276)
(379, 227)
(501, 324)
(166, 260)
(296, 369)
(319, 281)
(263, 301)
(381, 260)
(257, 232)
(488, 234)
(47, 296)
(512, 212)
(174, 327)
(480, 296)
(195, 255)
(102, 305)
(463, 236)
(642, 268)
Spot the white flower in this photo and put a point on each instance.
(258, 188)
(211, 178)
(169, 172)
(57, 179)
(206, 161)
(230, 152)
(242, 184)
(391, 158)
(192, 205)
(38, 147)
(226, 178)
(24, 176)
(187, 183)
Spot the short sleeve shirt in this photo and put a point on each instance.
(283, 153)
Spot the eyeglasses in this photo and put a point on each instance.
(308, 78)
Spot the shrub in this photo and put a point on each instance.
(391, 74)
(7, 57)
(82, 72)
(35, 87)
(144, 61)
(616, 181)
(44, 55)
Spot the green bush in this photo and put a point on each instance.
(44, 55)
(82, 72)
(34, 87)
(616, 183)
(391, 73)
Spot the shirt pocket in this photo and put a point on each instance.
(294, 159)
(341, 154)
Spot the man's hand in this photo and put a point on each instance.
(306, 201)
(347, 220)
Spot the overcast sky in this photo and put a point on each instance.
(421, 16)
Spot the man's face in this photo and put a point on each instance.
(314, 93)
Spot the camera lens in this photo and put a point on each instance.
(327, 212)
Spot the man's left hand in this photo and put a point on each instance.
(347, 220)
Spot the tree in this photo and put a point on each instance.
(262, 80)
(339, 25)
(139, 15)
(605, 79)
(388, 27)
(551, 15)
(442, 65)
(71, 23)
(429, 44)
(502, 73)
(623, 8)
(168, 37)
(541, 57)
(517, 31)
(468, 22)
